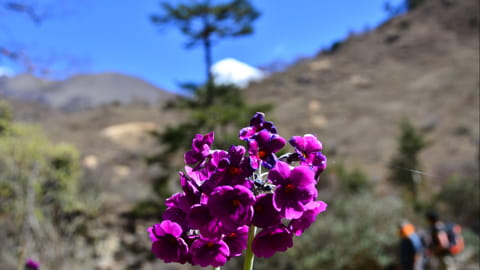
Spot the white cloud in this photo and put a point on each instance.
(6, 71)
(235, 72)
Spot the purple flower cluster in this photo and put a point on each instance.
(224, 193)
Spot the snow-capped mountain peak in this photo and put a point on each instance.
(232, 71)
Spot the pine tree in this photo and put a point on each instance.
(205, 23)
(405, 163)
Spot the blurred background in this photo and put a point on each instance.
(100, 99)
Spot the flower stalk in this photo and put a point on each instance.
(248, 261)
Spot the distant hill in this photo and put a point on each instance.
(82, 91)
(423, 66)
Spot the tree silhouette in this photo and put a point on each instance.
(205, 23)
(405, 163)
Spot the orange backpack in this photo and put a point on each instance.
(455, 238)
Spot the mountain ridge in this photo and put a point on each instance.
(83, 91)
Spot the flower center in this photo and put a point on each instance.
(172, 239)
(262, 153)
(289, 188)
(233, 170)
(236, 203)
(210, 244)
(232, 235)
(258, 208)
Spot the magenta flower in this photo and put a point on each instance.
(207, 252)
(306, 145)
(312, 209)
(262, 148)
(308, 149)
(319, 164)
(233, 206)
(237, 241)
(294, 189)
(271, 240)
(179, 204)
(167, 244)
(200, 218)
(176, 215)
(225, 193)
(200, 149)
(257, 123)
(232, 169)
(265, 214)
(32, 265)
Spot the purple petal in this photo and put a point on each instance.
(265, 214)
(198, 216)
(276, 143)
(170, 249)
(207, 252)
(232, 205)
(169, 227)
(201, 219)
(271, 240)
(246, 133)
(191, 157)
(291, 199)
(312, 209)
(257, 119)
(292, 210)
(279, 173)
(303, 176)
(176, 215)
(237, 241)
(312, 144)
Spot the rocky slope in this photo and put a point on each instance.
(423, 66)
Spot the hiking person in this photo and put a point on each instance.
(411, 248)
(445, 241)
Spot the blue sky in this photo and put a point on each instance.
(116, 35)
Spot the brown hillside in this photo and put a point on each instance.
(423, 66)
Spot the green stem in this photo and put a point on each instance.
(248, 261)
(216, 268)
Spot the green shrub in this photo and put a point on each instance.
(39, 199)
(353, 181)
(5, 117)
(357, 232)
(459, 200)
(405, 163)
